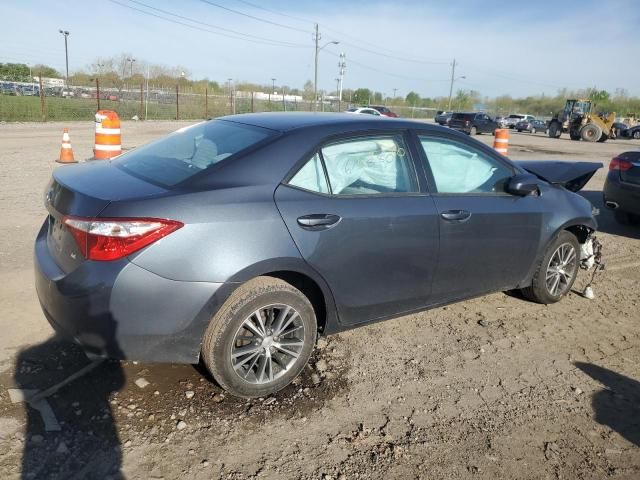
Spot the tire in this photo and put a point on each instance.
(533, 131)
(473, 131)
(539, 291)
(590, 132)
(636, 134)
(235, 325)
(603, 138)
(573, 136)
(554, 130)
(519, 130)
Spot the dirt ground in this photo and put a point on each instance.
(495, 387)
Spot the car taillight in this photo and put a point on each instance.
(466, 123)
(114, 238)
(620, 164)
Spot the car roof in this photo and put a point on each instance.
(285, 121)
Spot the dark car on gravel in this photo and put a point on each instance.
(632, 132)
(531, 126)
(622, 187)
(473, 123)
(237, 241)
(443, 118)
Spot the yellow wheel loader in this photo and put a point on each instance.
(578, 120)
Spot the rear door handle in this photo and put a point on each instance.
(318, 221)
(456, 215)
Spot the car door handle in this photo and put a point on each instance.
(456, 215)
(318, 221)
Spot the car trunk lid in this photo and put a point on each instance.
(571, 175)
(630, 175)
(84, 191)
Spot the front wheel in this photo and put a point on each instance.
(473, 131)
(260, 339)
(556, 271)
(591, 132)
(636, 134)
(533, 130)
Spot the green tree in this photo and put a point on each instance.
(412, 98)
(361, 96)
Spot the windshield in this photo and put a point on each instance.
(190, 150)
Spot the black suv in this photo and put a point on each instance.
(473, 123)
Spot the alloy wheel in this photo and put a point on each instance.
(561, 269)
(267, 344)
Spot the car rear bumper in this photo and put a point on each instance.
(119, 310)
(622, 196)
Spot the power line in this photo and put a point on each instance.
(177, 22)
(260, 7)
(391, 54)
(237, 12)
(215, 26)
(404, 77)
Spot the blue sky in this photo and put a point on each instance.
(501, 47)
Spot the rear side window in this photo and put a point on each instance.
(311, 176)
(362, 166)
(458, 168)
(190, 150)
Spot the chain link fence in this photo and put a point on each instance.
(29, 102)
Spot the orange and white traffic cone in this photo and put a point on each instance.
(66, 152)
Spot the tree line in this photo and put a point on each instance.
(124, 69)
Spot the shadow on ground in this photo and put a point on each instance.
(618, 404)
(606, 220)
(87, 443)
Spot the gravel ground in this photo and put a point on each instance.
(495, 387)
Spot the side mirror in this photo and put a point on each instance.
(522, 185)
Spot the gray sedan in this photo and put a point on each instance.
(238, 241)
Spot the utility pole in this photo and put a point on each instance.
(131, 60)
(65, 33)
(98, 91)
(394, 92)
(338, 93)
(342, 64)
(316, 37)
(453, 73)
(232, 107)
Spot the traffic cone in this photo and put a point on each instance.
(66, 152)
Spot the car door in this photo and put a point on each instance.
(488, 238)
(360, 216)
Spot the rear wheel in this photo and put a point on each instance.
(603, 138)
(554, 130)
(473, 131)
(556, 271)
(591, 132)
(260, 339)
(533, 130)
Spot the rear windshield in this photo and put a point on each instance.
(179, 156)
(458, 116)
(516, 116)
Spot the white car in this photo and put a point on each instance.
(511, 120)
(366, 111)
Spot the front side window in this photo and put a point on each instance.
(363, 166)
(190, 150)
(459, 168)
(369, 165)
